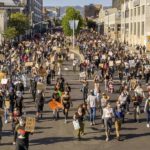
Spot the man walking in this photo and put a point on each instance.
(92, 103)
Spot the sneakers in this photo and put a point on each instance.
(6, 121)
(148, 125)
(14, 143)
(65, 121)
(107, 139)
(91, 124)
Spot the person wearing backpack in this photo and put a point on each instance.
(147, 111)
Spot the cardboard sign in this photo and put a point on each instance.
(2, 75)
(42, 72)
(7, 104)
(1, 112)
(82, 74)
(41, 86)
(53, 105)
(2, 57)
(29, 64)
(118, 62)
(101, 65)
(4, 81)
(30, 124)
(111, 63)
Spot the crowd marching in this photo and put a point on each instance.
(34, 64)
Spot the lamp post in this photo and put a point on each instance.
(73, 25)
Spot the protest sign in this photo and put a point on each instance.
(4, 81)
(29, 64)
(111, 63)
(30, 124)
(72, 56)
(41, 86)
(118, 62)
(132, 63)
(82, 74)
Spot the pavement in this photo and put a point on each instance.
(56, 135)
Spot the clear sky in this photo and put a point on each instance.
(76, 2)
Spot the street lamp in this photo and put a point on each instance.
(73, 25)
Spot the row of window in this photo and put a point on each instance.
(137, 28)
(137, 11)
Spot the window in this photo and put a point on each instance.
(135, 28)
(138, 32)
(131, 12)
(134, 11)
(143, 28)
(143, 9)
(131, 28)
(138, 10)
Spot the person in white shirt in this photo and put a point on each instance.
(92, 103)
(107, 116)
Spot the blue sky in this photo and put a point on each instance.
(75, 2)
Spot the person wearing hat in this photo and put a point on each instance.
(92, 103)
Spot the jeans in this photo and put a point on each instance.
(92, 114)
(148, 116)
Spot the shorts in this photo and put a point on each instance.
(66, 105)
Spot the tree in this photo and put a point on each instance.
(20, 22)
(71, 14)
(10, 33)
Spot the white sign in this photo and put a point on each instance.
(4, 81)
(132, 63)
(82, 74)
(73, 24)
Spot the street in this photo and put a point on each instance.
(56, 135)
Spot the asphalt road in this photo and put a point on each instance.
(56, 135)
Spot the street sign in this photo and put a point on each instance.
(76, 24)
(71, 23)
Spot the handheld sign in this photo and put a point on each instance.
(30, 124)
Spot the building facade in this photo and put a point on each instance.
(135, 22)
(116, 4)
(3, 24)
(92, 11)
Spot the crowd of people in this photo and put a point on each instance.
(32, 65)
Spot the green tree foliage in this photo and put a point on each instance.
(71, 14)
(10, 33)
(20, 22)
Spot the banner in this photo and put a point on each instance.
(30, 124)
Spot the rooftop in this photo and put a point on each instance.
(8, 2)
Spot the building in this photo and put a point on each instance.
(135, 22)
(3, 24)
(53, 12)
(110, 22)
(116, 4)
(92, 11)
